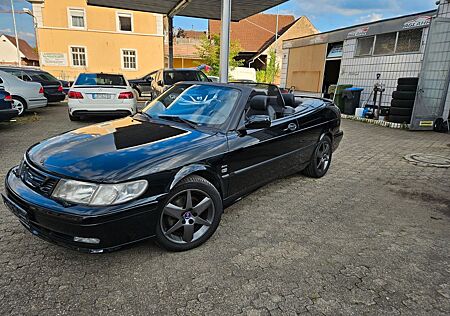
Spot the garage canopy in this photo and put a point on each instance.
(207, 9)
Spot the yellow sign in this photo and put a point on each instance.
(426, 123)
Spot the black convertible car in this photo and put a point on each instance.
(169, 171)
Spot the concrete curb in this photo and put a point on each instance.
(375, 122)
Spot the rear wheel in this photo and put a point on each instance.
(191, 214)
(20, 105)
(74, 118)
(321, 159)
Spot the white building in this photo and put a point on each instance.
(8, 52)
(416, 45)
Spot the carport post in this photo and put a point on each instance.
(225, 40)
(170, 22)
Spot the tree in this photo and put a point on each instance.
(209, 52)
(272, 70)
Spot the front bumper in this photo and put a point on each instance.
(6, 115)
(57, 223)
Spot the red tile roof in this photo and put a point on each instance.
(24, 48)
(183, 51)
(254, 31)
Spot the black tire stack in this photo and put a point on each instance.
(403, 100)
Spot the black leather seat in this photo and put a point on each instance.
(259, 105)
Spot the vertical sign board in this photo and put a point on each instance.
(434, 77)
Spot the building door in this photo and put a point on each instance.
(306, 68)
(434, 77)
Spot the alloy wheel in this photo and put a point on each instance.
(18, 105)
(323, 155)
(187, 216)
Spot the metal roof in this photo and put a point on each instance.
(207, 9)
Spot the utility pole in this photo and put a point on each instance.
(15, 32)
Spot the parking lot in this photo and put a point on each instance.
(370, 238)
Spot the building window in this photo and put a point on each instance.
(364, 46)
(78, 56)
(77, 19)
(125, 22)
(385, 44)
(129, 59)
(409, 41)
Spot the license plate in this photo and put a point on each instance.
(18, 211)
(100, 96)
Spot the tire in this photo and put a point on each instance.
(20, 105)
(178, 218)
(74, 118)
(408, 104)
(400, 119)
(316, 167)
(410, 88)
(400, 111)
(404, 95)
(408, 81)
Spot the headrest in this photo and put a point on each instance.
(289, 99)
(259, 103)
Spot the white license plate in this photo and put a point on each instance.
(100, 96)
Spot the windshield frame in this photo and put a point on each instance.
(224, 127)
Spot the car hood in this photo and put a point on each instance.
(118, 150)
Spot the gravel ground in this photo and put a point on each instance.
(370, 238)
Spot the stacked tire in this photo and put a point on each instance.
(403, 100)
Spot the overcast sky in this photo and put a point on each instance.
(324, 14)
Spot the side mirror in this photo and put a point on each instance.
(149, 79)
(258, 122)
(160, 83)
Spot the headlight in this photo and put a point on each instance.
(98, 194)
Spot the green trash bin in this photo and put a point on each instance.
(338, 100)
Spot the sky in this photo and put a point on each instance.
(324, 14)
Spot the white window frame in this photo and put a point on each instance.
(71, 56)
(69, 18)
(123, 61)
(124, 14)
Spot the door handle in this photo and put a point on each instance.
(291, 127)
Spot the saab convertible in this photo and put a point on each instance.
(169, 171)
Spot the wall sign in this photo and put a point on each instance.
(418, 22)
(362, 31)
(53, 59)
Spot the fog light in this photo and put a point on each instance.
(87, 240)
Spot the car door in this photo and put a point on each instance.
(262, 155)
(157, 89)
(146, 84)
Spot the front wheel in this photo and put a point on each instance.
(321, 159)
(190, 216)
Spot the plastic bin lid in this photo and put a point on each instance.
(355, 89)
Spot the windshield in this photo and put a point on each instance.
(202, 105)
(172, 77)
(100, 80)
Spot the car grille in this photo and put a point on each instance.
(37, 180)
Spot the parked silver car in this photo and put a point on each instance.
(25, 95)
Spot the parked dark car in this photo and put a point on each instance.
(53, 89)
(155, 83)
(7, 111)
(169, 171)
(66, 86)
